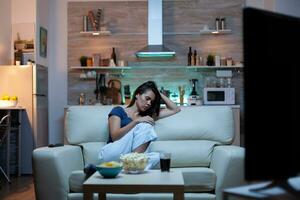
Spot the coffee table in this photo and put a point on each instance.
(152, 181)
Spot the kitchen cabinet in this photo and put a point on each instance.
(13, 139)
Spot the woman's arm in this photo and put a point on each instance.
(116, 132)
(171, 107)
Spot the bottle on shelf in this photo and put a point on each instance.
(200, 61)
(114, 56)
(189, 57)
(127, 95)
(223, 23)
(193, 83)
(217, 23)
(85, 23)
(181, 90)
(217, 60)
(195, 58)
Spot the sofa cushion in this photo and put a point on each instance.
(196, 179)
(76, 180)
(90, 151)
(186, 153)
(87, 124)
(198, 123)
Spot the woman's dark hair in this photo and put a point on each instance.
(153, 111)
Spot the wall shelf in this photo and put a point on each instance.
(171, 67)
(95, 33)
(202, 32)
(215, 32)
(99, 68)
(216, 67)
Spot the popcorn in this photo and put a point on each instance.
(134, 161)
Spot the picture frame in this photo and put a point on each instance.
(43, 42)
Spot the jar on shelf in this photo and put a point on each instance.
(81, 100)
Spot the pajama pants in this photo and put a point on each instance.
(140, 134)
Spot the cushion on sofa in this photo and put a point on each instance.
(198, 123)
(196, 179)
(90, 151)
(76, 180)
(87, 124)
(186, 153)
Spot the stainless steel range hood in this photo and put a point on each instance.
(155, 48)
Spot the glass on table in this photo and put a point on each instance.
(165, 161)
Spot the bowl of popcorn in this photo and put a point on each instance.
(134, 163)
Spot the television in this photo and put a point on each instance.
(271, 43)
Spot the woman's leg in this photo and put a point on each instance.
(112, 151)
(142, 136)
(142, 148)
(136, 140)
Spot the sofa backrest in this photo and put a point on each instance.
(90, 124)
(189, 135)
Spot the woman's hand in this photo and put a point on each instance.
(146, 119)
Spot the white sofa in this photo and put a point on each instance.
(199, 139)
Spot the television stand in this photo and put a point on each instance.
(283, 190)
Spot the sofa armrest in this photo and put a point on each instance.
(228, 164)
(52, 168)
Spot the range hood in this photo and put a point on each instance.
(155, 48)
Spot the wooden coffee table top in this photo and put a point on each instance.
(150, 181)
(150, 177)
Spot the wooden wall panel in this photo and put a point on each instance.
(131, 17)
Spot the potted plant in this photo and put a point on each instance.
(210, 60)
(83, 60)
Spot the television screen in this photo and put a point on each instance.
(272, 59)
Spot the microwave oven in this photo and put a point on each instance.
(219, 96)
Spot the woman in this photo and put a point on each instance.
(131, 128)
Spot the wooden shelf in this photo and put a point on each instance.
(99, 68)
(204, 32)
(171, 67)
(215, 32)
(216, 67)
(95, 33)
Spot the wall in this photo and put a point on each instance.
(261, 4)
(5, 35)
(290, 7)
(58, 92)
(42, 20)
(127, 26)
(57, 70)
(23, 21)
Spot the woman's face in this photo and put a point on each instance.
(145, 100)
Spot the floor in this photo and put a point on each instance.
(21, 188)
